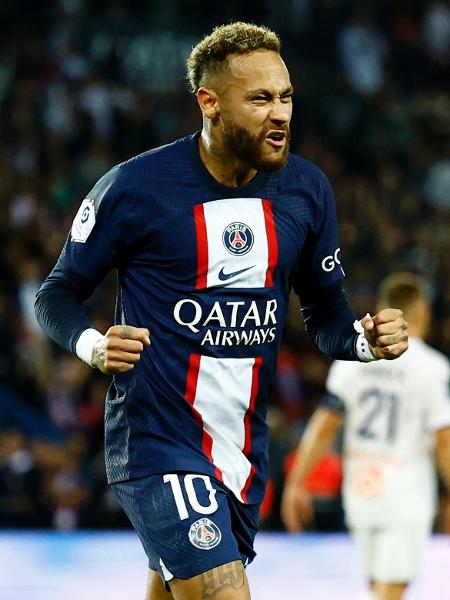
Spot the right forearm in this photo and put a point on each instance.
(296, 503)
(61, 316)
(442, 454)
(316, 441)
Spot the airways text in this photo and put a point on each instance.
(250, 324)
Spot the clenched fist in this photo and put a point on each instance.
(387, 333)
(120, 349)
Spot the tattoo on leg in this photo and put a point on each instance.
(230, 575)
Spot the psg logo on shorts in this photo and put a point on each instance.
(238, 238)
(204, 534)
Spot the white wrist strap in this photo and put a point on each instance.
(363, 349)
(85, 344)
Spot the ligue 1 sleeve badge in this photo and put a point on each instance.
(84, 221)
(238, 238)
(204, 534)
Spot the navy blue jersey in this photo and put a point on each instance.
(208, 270)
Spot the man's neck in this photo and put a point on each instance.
(226, 169)
(416, 330)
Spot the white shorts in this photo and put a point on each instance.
(392, 555)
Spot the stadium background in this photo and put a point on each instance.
(87, 84)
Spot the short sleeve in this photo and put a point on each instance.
(337, 385)
(333, 402)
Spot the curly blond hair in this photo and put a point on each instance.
(211, 53)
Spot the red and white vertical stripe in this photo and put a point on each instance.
(257, 265)
(225, 418)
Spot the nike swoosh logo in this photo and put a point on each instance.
(226, 276)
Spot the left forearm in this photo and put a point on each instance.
(329, 322)
(316, 441)
(442, 454)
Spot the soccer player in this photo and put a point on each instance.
(208, 235)
(395, 416)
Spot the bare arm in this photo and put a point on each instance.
(442, 453)
(317, 439)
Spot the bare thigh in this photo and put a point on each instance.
(388, 591)
(227, 582)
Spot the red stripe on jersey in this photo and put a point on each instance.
(207, 443)
(189, 394)
(247, 424)
(202, 246)
(272, 242)
(247, 485)
(251, 407)
(191, 382)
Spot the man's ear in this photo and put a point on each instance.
(208, 102)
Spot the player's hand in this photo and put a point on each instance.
(296, 507)
(387, 333)
(120, 349)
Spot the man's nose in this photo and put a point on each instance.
(280, 111)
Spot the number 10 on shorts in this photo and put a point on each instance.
(176, 482)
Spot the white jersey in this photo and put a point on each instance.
(391, 410)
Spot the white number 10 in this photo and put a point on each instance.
(175, 484)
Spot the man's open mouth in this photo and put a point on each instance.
(276, 138)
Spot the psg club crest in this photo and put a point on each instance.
(238, 238)
(204, 534)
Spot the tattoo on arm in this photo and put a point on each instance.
(99, 354)
(226, 576)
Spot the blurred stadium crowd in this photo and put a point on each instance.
(85, 85)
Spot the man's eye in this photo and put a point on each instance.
(287, 98)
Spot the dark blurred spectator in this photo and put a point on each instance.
(436, 31)
(363, 52)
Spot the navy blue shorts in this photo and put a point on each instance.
(188, 523)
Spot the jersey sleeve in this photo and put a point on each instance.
(320, 262)
(105, 229)
(438, 394)
(333, 403)
(336, 387)
(318, 282)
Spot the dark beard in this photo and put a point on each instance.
(247, 148)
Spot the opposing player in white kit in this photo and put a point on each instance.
(395, 416)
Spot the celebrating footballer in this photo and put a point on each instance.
(208, 235)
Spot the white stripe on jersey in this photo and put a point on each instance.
(250, 268)
(224, 415)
